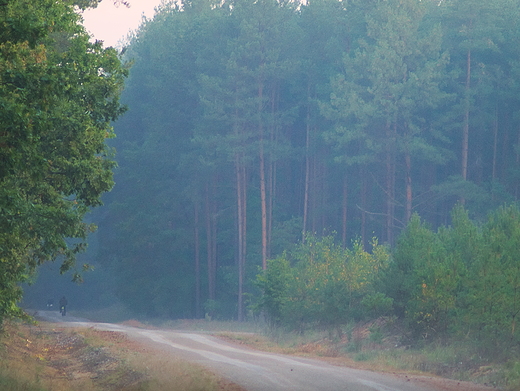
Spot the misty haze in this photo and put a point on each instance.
(339, 178)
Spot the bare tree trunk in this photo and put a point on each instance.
(390, 184)
(363, 207)
(210, 246)
(313, 192)
(507, 131)
(344, 212)
(241, 223)
(307, 175)
(389, 201)
(517, 187)
(408, 161)
(213, 205)
(197, 262)
(495, 145)
(465, 127)
(244, 230)
(263, 202)
(324, 195)
(270, 205)
(263, 207)
(271, 182)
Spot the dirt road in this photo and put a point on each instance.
(260, 371)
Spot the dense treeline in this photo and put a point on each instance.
(460, 282)
(254, 123)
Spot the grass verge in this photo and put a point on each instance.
(374, 348)
(47, 358)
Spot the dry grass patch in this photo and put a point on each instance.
(163, 372)
(368, 349)
(35, 359)
(49, 358)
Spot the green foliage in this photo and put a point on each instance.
(325, 286)
(377, 304)
(511, 374)
(427, 273)
(461, 281)
(494, 280)
(378, 103)
(58, 95)
(346, 116)
(274, 283)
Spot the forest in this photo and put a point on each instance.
(257, 128)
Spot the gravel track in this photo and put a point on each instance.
(261, 371)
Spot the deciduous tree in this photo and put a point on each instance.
(59, 94)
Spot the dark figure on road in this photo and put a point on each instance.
(63, 306)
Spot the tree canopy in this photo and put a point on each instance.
(253, 123)
(59, 93)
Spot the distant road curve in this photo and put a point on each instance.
(261, 371)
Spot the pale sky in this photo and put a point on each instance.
(111, 24)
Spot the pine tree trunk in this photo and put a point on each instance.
(263, 201)
(313, 192)
(210, 247)
(271, 191)
(495, 145)
(517, 187)
(408, 162)
(390, 185)
(241, 224)
(271, 182)
(307, 175)
(344, 212)
(324, 195)
(465, 128)
(197, 262)
(363, 207)
(263, 207)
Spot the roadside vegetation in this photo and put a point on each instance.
(252, 122)
(43, 358)
(448, 299)
(371, 347)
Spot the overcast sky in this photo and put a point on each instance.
(110, 23)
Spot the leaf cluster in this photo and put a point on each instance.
(58, 96)
(461, 281)
(322, 284)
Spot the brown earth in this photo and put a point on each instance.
(81, 359)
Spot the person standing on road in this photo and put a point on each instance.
(63, 306)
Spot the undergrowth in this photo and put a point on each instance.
(376, 346)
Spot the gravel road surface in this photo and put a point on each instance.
(261, 371)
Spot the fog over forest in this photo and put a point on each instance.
(303, 139)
